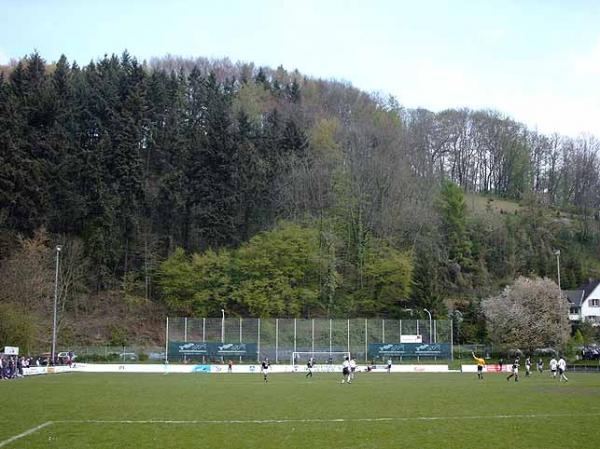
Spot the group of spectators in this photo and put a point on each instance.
(590, 353)
(11, 367)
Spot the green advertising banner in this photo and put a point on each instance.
(384, 350)
(190, 348)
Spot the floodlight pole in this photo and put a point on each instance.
(458, 321)
(430, 328)
(58, 249)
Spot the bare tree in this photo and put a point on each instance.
(26, 277)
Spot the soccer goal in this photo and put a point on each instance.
(319, 357)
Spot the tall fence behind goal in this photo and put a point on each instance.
(252, 339)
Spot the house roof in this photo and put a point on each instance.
(577, 297)
(589, 287)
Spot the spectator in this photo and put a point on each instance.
(19, 372)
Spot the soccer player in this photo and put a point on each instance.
(230, 366)
(515, 370)
(265, 369)
(540, 366)
(352, 367)
(346, 371)
(527, 366)
(562, 367)
(389, 365)
(309, 366)
(480, 364)
(553, 366)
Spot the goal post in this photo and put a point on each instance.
(319, 357)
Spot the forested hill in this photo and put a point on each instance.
(296, 196)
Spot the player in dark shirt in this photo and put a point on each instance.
(515, 370)
(309, 366)
(540, 365)
(265, 369)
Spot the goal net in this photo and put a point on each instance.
(319, 357)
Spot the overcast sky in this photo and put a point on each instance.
(537, 61)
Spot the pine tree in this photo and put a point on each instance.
(453, 213)
(427, 284)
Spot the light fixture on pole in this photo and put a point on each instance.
(430, 328)
(58, 249)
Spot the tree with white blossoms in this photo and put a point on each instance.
(529, 314)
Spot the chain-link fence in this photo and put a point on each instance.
(251, 339)
(120, 354)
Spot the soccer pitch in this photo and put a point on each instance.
(377, 410)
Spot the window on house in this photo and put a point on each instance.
(574, 311)
(594, 302)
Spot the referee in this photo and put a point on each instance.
(480, 364)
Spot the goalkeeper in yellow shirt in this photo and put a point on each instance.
(480, 364)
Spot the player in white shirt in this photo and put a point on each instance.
(352, 368)
(562, 367)
(389, 365)
(346, 371)
(553, 366)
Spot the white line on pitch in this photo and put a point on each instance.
(332, 420)
(24, 434)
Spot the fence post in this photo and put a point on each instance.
(241, 336)
(294, 334)
(451, 338)
(418, 358)
(276, 340)
(330, 335)
(349, 336)
(167, 342)
(258, 344)
(366, 340)
(203, 336)
(185, 337)
(383, 330)
(313, 336)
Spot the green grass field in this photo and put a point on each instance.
(240, 411)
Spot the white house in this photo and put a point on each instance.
(584, 303)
